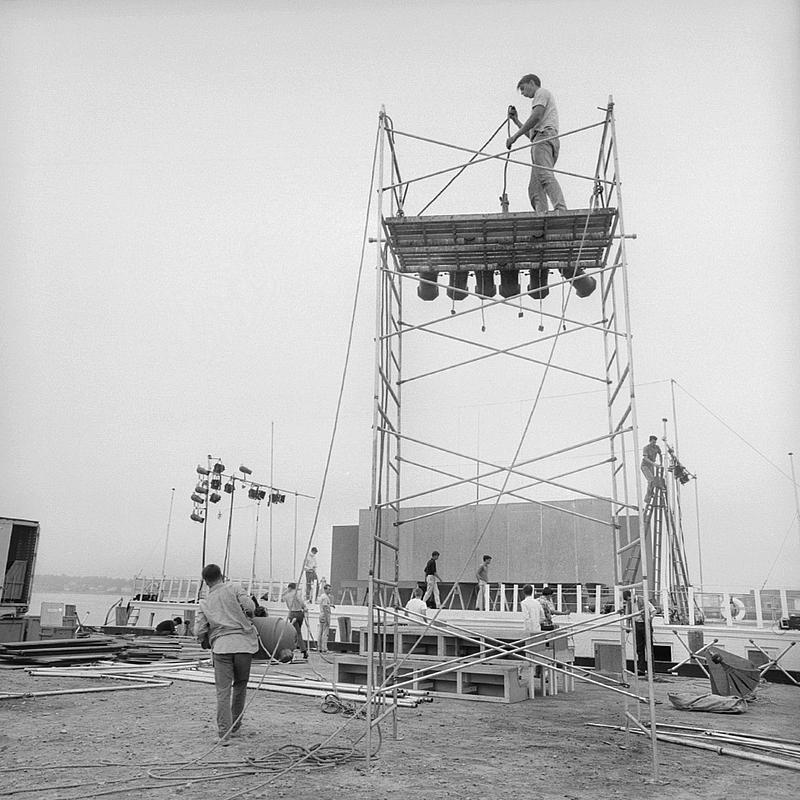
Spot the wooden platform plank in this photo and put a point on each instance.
(458, 243)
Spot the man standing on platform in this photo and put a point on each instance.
(541, 128)
(651, 457)
(310, 570)
(482, 576)
(325, 606)
(431, 580)
(223, 623)
(632, 605)
(297, 614)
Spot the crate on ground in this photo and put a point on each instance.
(498, 681)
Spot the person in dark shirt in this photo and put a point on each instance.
(168, 626)
(431, 580)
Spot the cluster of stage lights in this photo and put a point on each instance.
(210, 482)
(680, 472)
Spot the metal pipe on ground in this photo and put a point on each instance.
(349, 696)
(88, 690)
(715, 731)
(723, 751)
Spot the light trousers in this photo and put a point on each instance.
(543, 184)
(432, 589)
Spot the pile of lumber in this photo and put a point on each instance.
(57, 652)
(147, 649)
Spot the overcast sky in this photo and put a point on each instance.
(181, 208)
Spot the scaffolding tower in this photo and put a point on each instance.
(412, 250)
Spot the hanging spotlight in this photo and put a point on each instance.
(252, 493)
(261, 494)
(229, 488)
(219, 468)
(202, 488)
(197, 498)
(201, 470)
(197, 517)
(216, 483)
(245, 470)
(277, 497)
(214, 498)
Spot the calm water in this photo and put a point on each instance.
(91, 608)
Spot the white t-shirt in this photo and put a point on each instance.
(532, 615)
(545, 99)
(416, 605)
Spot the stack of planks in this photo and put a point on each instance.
(58, 652)
(146, 649)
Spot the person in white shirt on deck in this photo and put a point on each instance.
(532, 611)
(416, 605)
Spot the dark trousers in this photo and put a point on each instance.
(641, 647)
(231, 672)
(296, 621)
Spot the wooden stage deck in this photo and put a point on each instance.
(523, 240)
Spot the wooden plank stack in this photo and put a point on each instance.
(60, 651)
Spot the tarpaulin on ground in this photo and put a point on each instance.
(730, 674)
(712, 703)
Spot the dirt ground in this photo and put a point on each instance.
(57, 747)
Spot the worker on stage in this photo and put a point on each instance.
(297, 615)
(432, 581)
(416, 606)
(532, 611)
(310, 571)
(635, 604)
(482, 576)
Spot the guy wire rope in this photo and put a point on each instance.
(460, 171)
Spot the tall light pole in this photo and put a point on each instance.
(294, 537)
(166, 545)
(697, 520)
(271, 483)
(794, 486)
